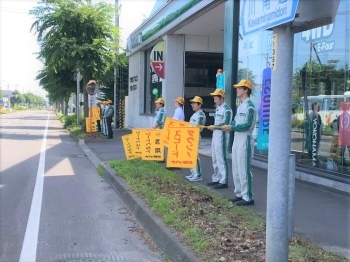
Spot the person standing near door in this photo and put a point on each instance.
(179, 112)
(197, 119)
(159, 119)
(220, 140)
(243, 144)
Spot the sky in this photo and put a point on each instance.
(18, 63)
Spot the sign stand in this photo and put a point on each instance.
(92, 89)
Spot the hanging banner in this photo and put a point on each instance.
(264, 116)
(183, 147)
(169, 123)
(157, 59)
(127, 143)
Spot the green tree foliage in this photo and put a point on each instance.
(17, 98)
(77, 36)
(107, 86)
(0, 94)
(329, 77)
(59, 85)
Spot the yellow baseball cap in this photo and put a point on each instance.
(180, 100)
(160, 101)
(109, 101)
(104, 102)
(218, 92)
(243, 83)
(197, 99)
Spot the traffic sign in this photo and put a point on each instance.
(92, 87)
(1, 103)
(157, 59)
(260, 15)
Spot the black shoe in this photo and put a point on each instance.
(220, 186)
(212, 183)
(245, 203)
(236, 199)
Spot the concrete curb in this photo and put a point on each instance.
(164, 238)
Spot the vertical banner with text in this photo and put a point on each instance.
(264, 114)
(170, 123)
(183, 147)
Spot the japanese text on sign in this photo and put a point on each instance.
(136, 142)
(127, 143)
(152, 147)
(170, 123)
(183, 147)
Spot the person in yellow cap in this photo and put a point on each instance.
(179, 112)
(197, 119)
(159, 119)
(220, 140)
(243, 144)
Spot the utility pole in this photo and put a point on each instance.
(116, 68)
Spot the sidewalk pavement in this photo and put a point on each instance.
(321, 216)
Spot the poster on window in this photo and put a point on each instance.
(344, 124)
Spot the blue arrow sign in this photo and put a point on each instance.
(265, 14)
(1, 102)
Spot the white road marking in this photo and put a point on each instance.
(28, 253)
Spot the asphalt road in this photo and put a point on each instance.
(53, 204)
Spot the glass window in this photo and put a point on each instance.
(321, 91)
(153, 86)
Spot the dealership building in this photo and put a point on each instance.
(179, 48)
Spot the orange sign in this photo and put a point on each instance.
(183, 147)
(169, 123)
(127, 143)
(148, 144)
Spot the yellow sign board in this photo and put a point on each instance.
(148, 144)
(183, 147)
(170, 123)
(127, 143)
(96, 112)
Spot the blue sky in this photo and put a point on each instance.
(18, 63)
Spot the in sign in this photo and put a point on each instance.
(158, 59)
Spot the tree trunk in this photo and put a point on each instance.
(66, 104)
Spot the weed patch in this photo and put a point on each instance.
(210, 224)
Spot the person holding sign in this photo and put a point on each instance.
(197, 119)
(243, 144)
(179, 112)
(220, 140)
(159, 119)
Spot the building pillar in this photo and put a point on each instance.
(173, 84)
(231, 42)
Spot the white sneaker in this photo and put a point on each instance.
(190, 176)
(195, 179)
